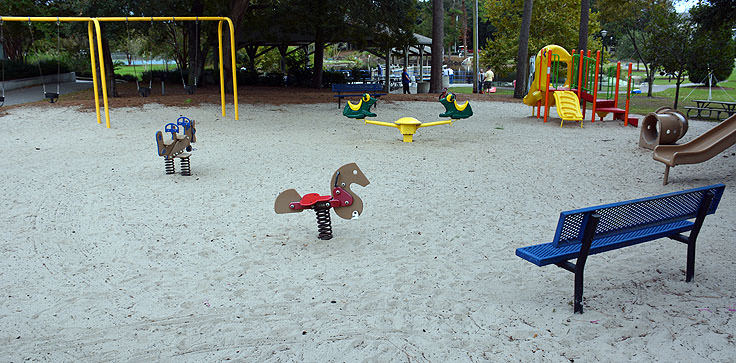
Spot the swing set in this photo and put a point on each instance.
(94, 32)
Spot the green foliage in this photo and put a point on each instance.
(17, 70)
(556, 24)
(713, 46)
(635, 20)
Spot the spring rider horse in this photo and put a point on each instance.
(346, 203)
(183, 134)
(408, 125)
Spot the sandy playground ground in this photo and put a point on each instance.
(105, 258)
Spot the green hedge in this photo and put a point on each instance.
(17, 70)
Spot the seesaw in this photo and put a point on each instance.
(183, 134)
(346, 203)
(408, 125)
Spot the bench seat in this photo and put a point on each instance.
(592, 230)
(547, 254)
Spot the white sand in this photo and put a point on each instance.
(106, 258)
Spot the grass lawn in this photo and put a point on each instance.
(138, 70)
(724, 91)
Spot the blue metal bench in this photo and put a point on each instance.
(351, 90)
(592, 230)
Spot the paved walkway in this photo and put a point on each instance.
(35, 93)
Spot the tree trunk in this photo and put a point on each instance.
(523, 53)
(251, 51)
(438, 32)
(584, 15)
(237, 11)
(678, 82)
(650, 78)
(319, 55)
(109, 69)
(465, 30)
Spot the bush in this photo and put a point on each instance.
(17, 70)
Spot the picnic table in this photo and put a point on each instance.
(706, 109)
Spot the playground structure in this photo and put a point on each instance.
(408, 125)
(662, 127)
(580, 82)
(346, 203)
(183, 134)
(698, 150)
(95, 33)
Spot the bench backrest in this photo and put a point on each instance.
(366, 87)
(635, 214)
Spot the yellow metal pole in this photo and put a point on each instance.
(235, 71)
(90, 31)
(435, 123)
(45, 18)
(102, 72)
(222, 73)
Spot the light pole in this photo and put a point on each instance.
(603, 38)
(475, 48)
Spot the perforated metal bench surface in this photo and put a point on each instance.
(587, 231)
(548, 253)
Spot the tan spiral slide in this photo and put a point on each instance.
(702, 148)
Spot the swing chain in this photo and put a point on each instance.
(58, 56)
(2, 41)
(33, 40)
(135, 72)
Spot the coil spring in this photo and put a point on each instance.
(186, 169)
(169, 165)
(324, 226)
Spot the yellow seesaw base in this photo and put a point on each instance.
(408, 126)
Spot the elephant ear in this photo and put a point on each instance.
(284, 200)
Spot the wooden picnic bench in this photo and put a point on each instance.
(593, 230)
(709, 107)
(352, 90)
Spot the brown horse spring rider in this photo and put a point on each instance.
(346, 203)
(183, 134)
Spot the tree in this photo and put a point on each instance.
(523, 52)
(584, 16)
(674, 54)
(557, 24)
(634, 20)
(17, 38)
(713, 46)
(435, 84)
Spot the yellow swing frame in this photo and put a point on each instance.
(93, 28)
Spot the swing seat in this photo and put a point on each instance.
(144, 91)
(190, 89)
(2, 100)
(51, 96)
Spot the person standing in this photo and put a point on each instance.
(405, 80)
(488, 78)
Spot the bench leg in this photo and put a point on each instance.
(666, 174)
(588, 234)
(702, 212)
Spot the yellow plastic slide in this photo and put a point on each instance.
(540, 73)
(568, 106)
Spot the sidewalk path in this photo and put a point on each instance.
(35, 93)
